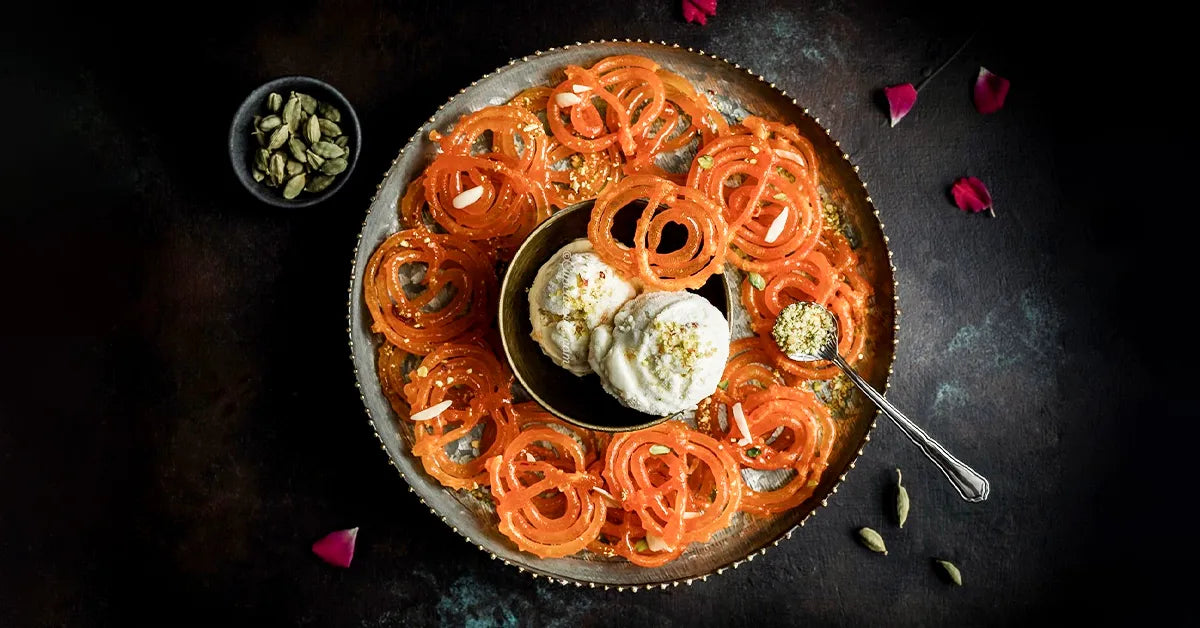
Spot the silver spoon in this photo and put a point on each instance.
(969, 484)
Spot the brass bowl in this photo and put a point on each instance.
(578, 400)
(739, 91)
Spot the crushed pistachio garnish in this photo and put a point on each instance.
(803, 328)
(753, 452)
(705, 161)
(724, 385)
(678, 343)
(757, 281)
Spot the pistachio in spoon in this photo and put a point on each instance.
(803, 329)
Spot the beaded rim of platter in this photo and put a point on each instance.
(412, 141)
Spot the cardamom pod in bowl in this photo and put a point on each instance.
(294, 141)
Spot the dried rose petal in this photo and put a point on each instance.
(901, 99)
(699, 10)
(971, 195)
(990, 90)
(337, 548)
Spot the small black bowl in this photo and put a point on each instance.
(242, 145)
(578, 400)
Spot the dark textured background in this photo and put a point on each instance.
(178, 420)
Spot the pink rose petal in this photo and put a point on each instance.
(699, 10)
(901, 99)
(337, 548)
(990, 90)
(971, 195)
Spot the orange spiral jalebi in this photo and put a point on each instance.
(756, 187)
(681, 484)
(686, 117)
(544, 508)
(829, 276)
(479, 387)
(571, 176)
(791, 430)
(512, 204)
(626, 86)
(515, 133)
(690, 266)
(413, 319)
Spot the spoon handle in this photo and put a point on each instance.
(969, 484)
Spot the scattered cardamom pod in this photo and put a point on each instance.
(307, 103)
(872, 540)
(294, 186)
(274, 102)
(342, 142)
(298, 150)
(334, 166)
(258, 175)
(314, 160)
(270, 122)
(329, 129)
(318, 183)
(312, 130)
(952, 571)
(901, 499)
(294, 167)
(329, 112)
(278, 138)
(328, 150)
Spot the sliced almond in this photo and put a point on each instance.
(787, 154)
(468, 197)
(432, 412)
(579, 89)
(776, 228)
(567, 100)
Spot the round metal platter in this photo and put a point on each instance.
(736, 92)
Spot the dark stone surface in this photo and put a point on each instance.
(178, 419)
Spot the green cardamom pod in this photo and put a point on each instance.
(261, 157)
(260, 137)
(328, 150)
(278, 138)
(294, 167)
(257, 120)
(314, 159)
(307, 103)
(951, 570)
(270, 122)
(901, 500)
(278, 168)
(318, 183)
(312, 131)
(291, 112)
(329, 129)
(274, 102)
(334, 166)
(294, 186)
(342, 142)
(258, 176)
(329, 112)
(298, 150)
(872, 540)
